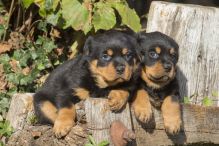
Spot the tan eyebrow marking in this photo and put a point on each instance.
(172, 51)
(158, 50)
(124, 51)
(110, 52)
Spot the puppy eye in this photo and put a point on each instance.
(153, 55)
(106, 57)
(173, 56)
(128, 56)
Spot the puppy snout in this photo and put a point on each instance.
(120, 69)
(167, 67)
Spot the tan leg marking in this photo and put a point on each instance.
(65, 121)
(142, 107)
(49, 110)
(81, 93)
(171, 114)
(117, 99)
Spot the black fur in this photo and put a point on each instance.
(148, 42)
(76, 73)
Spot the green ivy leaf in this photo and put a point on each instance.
(53, 18)
(40, 66)
(48, 45)
(55, 4)
(206, 101)
(104, 16)
(103, 143)
(12, 91)
(215, 94)
(75, 15)
(129, 16)
(88, 144)
(91, 139)
(42, 26)
(48, 5)
(5, 128)
(12, 77)
(27, 3)
(186, 100)
(4, 58)
(2, 30)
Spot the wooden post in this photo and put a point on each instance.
(99, 118)
(200, 125)
(196, 29)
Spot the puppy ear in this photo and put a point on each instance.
(87, 46)
(140, 37)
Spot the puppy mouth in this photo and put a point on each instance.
(164, 78)
(117, 79)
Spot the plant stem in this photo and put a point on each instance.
(9, 17)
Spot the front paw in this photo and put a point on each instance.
(117, 99)
(62, 128)
(143, 113)
(172, 125)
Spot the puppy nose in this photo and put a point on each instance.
(120, 68)
(167, 66)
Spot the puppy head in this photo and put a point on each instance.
(112, 57)
(159, 58)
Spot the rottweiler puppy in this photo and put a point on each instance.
(105, 69)
(158, 84)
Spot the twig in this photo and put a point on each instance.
(9, 17)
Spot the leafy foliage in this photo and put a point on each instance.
(93, 143)
(5, 129)
(86, 15)
(206, 101)
(186, 100)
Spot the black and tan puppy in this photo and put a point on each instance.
(105, 69)
(159, 86)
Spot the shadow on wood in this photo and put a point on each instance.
(200, 125)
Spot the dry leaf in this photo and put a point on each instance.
(26, 70)
(55, 33)
(59, 51)
(14, 65)
(3, 82)
(4, 47)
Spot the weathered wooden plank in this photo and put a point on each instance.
(99, 118)
(196, 29)
(200, 124)
(20, 107)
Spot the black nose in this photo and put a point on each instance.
(120, 68)
(167, 66)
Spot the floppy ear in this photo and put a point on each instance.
(140, 37)
(87, 46)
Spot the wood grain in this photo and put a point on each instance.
(196, 29)
(99, 118)
(200, 125)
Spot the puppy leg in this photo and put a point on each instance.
(171, 114)
(65, 121)
(45, 110)
(49, 111)
(142, 106)
(117, 99)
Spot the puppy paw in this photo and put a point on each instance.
(62, 128)
(117, 99)
(143, 114)
(172, 125)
